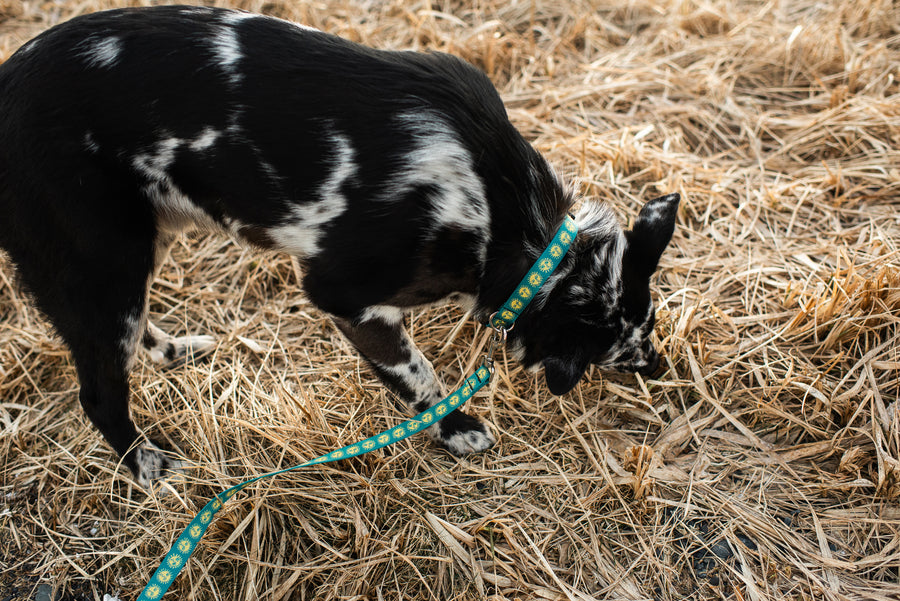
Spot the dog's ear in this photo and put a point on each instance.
(651, 233)
(563, 373)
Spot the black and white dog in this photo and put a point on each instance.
(395, 177)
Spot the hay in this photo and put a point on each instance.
(765, 464)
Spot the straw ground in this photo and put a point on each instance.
(764, 464)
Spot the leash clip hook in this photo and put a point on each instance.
(498, 337)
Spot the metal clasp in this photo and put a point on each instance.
(498, 337)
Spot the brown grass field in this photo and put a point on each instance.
(763, 464)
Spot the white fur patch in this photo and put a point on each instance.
(597, 220)
(196, 10)
(653, 213)
(419, 377)
(300, 233)
(90, 143)
(176, 210)
(631, 350)
(441, 160)
(156, 164)
(103, 53)
(389, 315)
(610, 259)
(304, 27)
(133, 324)
(658, 209)
(205, 140)
(515, 348)
(233, 17)
(28, 46)
(227, 48)
(416, 374)
(543, 293)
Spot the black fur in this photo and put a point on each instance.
(396, 177)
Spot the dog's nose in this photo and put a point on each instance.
(651, 366)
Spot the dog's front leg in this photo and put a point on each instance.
(380, 337)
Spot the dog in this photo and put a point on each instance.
(395, 177)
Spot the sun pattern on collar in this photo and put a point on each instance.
(536, 276)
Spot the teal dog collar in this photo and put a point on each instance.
(536, 277)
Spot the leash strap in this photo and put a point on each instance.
(184, 547)
(501, 322)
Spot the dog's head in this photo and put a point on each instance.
(597, 308)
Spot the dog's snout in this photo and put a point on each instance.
(651, 365)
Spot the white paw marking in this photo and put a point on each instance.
(153, 465)
(470, 441)
(166, 348)
(192, 346)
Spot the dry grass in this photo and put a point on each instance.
(776, 427)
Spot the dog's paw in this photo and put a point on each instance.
(462, 434)
(183, 347)
(151, 465)
(473, 441)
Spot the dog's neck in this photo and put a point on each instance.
(524, 218)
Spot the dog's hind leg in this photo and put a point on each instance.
(87, 269)
(104, 338)
(380, 337)
(104, 396)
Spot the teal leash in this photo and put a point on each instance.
(177, 557)
(500, 322)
